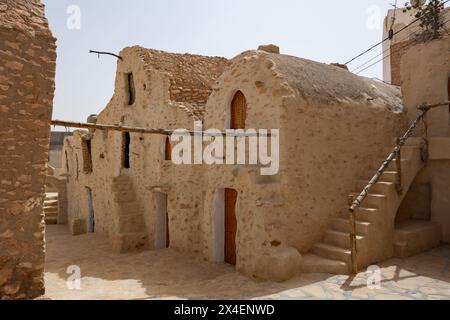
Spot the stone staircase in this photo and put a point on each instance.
(51, 208)
(129, 226)
(375, 219)
(415, 236)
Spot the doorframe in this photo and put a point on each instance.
(218, 225)
(218, 222)
(162, 229)
(91, 214)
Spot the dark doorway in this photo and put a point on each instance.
(91, 216)
(131, 89)
(126, 150)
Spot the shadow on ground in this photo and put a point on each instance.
(168, 274)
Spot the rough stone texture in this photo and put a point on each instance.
(391, 57)
(270, 48)
(397, 52)
(168, 274)
(327, 118)
(191, 76)
(156, 75)
(27, 71)
(425, 77)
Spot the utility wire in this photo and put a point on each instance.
(387, 56)
(386, 39)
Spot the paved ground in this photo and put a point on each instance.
(168, 274)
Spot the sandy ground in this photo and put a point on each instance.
(168, 274)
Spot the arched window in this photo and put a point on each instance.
(238, 111)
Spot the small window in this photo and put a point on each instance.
(126, 142)
(168, 149)
(86, 149)
(238, 111)
(131, 89)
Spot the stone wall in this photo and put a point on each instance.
(27, 71)
(316, 107)
(397, 52)
(425, 74)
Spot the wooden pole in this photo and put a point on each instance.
(79, 125)
(166, 132)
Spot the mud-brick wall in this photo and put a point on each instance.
(27, 72)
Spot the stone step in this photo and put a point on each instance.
(387, 176)
(381, 187)
(392, 165)
(51, 209)
(332, 252)
(49, 203)
(366, 214)
(50, 198)
(130, 242)
(339, 239)
(120, 187)
(131, 223)
(51, 220)
(125, 196)
(128, 208)
(412, 237)
(343, 225)
(121, 179)
(362, 214)
(372, 200)
(312, 263)
(414, 141)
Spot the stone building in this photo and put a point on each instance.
(56, 146)
(425, 77)
(406, 27)
(27, 71)
(335, 130)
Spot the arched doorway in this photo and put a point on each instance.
(238, 111)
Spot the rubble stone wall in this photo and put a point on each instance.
(27, 71)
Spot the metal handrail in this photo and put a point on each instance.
(394, 153)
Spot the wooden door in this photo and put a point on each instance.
(238, 111)
(168, 149)
(230, 226)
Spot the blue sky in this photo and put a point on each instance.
(325, 31)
